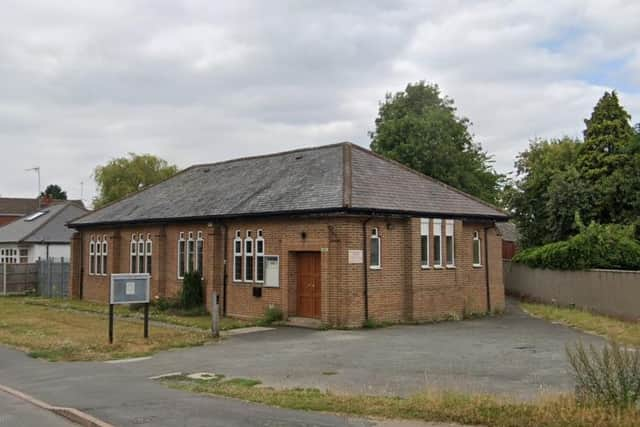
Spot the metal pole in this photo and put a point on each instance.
(110, 323)
(215, 316)
(4, 279)
(146, 320)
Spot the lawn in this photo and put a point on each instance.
(556, 411)
(621, 331)
(57, 334)
(193, 319)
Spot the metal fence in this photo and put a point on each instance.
(47, 278)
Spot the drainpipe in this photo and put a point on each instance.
(486, 269)
(81, 291)
(224, 272)
(365, 263)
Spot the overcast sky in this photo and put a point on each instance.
(83, 81)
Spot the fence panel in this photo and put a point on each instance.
(53, 278)
(18, 279)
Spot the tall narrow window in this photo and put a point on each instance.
(451, 252)
(375, 249)
(141, 248)
(181, 256)
(477, 254)
(260, 257)
(134, 254)
(148, 253)
(190, 253)
(199, 252)
(105, 254)
(437, 242)
(99, 256)
(237, 258)
(424, 242)
(92, 256)
(248, 258)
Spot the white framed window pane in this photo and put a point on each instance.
(375, 252)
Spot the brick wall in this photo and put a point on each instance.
(400, 290)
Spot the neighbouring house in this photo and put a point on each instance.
(336, 233)
(510, 236)
(41, 234)
(12, 208)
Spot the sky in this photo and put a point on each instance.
(82, 82)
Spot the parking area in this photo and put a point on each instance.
(514, 355)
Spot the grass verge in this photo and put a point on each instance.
(617, 330)
(69, 335)
(192, 318)
(435, 407)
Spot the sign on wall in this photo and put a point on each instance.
(130, 288)
(271, 271)
(355, 256)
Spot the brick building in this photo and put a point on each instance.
(336, 233)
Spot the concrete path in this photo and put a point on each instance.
(17, 412)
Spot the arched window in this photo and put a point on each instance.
(477, 250)
(148, 253)
(141, 248)
(181, 256)
(133, 268)
(99, 256)
(375, 249)
(105, 253)
(92, 256)
(191, 248)
(199, 252)
(260, 257)
(237, 258)
(248, 258)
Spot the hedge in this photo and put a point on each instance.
(608, 246)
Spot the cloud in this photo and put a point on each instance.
(198, 81)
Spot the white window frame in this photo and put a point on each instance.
(248, 239)
(237, 254)
(148, 254)
(133, 254)
(477, 241)
(92, 255)
(375, 235)
(199, 240)
(184, 256)
(450, 232)
(437, 232)
(190, 257)
(105, 254)
(259, 238)
(424, 232)
(98, 268)
(142, 248)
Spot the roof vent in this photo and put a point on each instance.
(35, 215)
(298, 156)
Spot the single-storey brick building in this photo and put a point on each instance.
(336, 233)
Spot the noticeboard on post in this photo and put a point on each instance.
(130, 288)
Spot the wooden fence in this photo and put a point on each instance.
(48, 278)
(16, 279)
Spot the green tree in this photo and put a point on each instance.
(54, 191)
(126, 175)
(419, 128)
(546, 192)
(608, 162)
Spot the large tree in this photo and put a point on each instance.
(419, 127)
(125, 175)
(546, 192)
(54, 191)
(608, 163)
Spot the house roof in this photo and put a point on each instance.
(48, 227)
(508, 231)
(17, 206)
(338, 177)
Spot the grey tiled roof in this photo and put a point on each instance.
(306, 180)
(48, 228)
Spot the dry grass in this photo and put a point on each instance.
(71, 335)
(489, 411)
(193, 319)
(617, 330)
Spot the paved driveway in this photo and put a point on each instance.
(514, 355)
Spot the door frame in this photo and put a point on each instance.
(318, 296)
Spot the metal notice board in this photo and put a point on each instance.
(271, 271)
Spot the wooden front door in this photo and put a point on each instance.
(308, 289)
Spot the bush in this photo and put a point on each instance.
(271, 314)
(192, 291)
(609, 246)
(610, 376)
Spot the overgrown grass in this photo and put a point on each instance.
(616, 330)
(489, 411)
(55, 334)
(193, 318)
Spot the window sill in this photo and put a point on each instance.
(375, 268)
(451, 267)
(438, 267)
(477, 266)
(425, 267)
